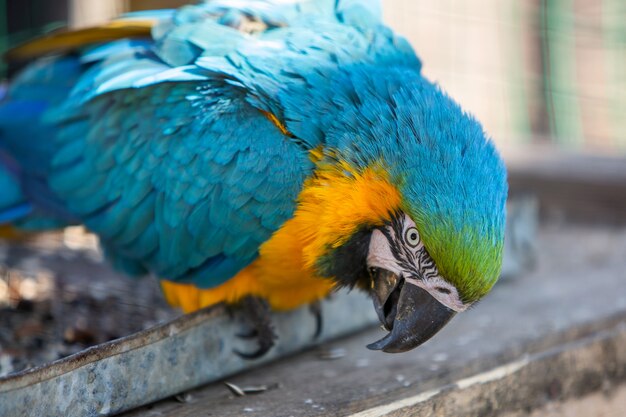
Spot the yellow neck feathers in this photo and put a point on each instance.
(334, 203)
(337, 202)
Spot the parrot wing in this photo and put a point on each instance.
(185, 152)
(181, 179)
(26, 143)
(12, 203)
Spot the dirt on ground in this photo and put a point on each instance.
(58, 296)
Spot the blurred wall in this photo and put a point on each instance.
(85, 13)
(21, 20)
(530, 70)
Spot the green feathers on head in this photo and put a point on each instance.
(471, 260)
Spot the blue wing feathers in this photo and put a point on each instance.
(145, 245)
(13, 205)
(171, 236)
(14, 212)
(140, 218)
(160, 146)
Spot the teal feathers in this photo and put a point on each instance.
(163, 146)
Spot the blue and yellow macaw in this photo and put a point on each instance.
(264, 150)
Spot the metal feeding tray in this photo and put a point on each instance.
(165, 360)
(76, 338)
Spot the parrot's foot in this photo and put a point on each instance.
(257, 313)
(316, 310)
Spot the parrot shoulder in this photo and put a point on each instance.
(186, 180)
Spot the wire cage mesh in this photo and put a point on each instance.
(532, 71)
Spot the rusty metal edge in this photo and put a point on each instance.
(115, 347)
(166, 360)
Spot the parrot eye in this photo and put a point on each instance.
(412, 237)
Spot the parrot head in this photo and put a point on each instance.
(428, 212)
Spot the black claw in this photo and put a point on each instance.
(264, 347)
(316, 310)
(257, 313)
(250, 334)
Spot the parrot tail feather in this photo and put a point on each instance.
(67, 41)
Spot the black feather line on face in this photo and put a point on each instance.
(400, 249)
(347, 264)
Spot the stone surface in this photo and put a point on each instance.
(611, 403)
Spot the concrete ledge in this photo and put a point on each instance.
(571, 186)
(569, 370)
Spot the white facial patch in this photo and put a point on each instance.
(442, 291)
(379, 254)
(399, 249)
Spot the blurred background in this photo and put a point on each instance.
(532, 71)
(546, 71)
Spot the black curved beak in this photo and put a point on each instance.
(409, 312)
